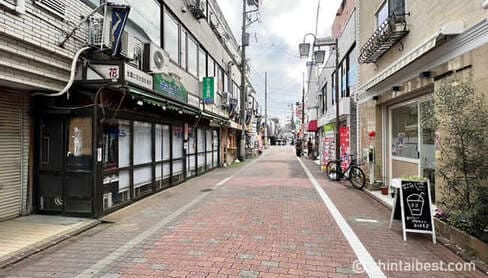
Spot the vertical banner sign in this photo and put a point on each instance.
(344, 136)
(208, 90)
(119, 19)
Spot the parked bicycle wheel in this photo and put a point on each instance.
(332, 170)
(357, 177)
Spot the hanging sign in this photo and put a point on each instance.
(120, 14)
(208, 90)
(413, 206)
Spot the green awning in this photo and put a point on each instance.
(161, 101)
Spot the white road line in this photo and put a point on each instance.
(366, 220)
(362, 254)
(101, 264)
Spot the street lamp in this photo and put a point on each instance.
(304, 49)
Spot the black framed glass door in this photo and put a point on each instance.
(65, 177)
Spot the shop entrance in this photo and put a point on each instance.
(412, 150)
(64, 184)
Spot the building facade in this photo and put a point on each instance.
(407, 49)
(344, 30)
(124, 127)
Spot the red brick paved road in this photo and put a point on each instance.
(266, 221)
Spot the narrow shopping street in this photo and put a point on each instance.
(263, 218)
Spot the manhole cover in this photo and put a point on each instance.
(206, 190)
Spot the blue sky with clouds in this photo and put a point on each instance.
(274, 45)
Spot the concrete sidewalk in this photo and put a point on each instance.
(26, 235)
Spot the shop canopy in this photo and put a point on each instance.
(312, 126)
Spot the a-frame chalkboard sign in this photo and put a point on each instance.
(413, 206)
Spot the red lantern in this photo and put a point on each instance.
(372, 133)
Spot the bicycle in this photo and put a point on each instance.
(353, 172)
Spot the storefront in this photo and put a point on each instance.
(111, 144)
(397, 109)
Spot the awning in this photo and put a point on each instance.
(161, 101)
(312, 126)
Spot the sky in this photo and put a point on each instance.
(274, 46)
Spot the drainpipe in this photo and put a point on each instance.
(71, 78)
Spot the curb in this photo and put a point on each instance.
(37, 247)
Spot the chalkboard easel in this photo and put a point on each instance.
(413, 207)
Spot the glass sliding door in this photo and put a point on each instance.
(142, 158)
(404, 140)
(201, 150)
(427, 145)
(177, 175)
(215, 147)
(412, 144)
(208, 146)
(191, 161)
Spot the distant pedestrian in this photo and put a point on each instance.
(310, 147)
(298, 147)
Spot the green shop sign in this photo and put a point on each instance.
(208, 90)
(167, 86)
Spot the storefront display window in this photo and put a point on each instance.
(116, 155)
(404, 131)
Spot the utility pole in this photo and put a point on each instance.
(265, 109)
(243, 82)
(338, 136)
(303, 105)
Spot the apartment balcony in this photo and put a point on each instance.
(385, 37)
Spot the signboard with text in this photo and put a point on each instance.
(166, 85)
(413, 206)
(208, 90)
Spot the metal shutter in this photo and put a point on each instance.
(10, 155)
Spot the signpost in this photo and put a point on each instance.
(413, 207)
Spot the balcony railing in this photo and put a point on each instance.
(391, 31)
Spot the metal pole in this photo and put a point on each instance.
(265, 109)
(338, 136)
(303, 105)
(243, 84)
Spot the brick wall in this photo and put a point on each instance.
(29, 53)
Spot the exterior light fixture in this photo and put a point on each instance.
(196, 116)
(319, 56)
(180, 111)
(304, 49)
(140, 102)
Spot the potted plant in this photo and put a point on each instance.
(384, 189)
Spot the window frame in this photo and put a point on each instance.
(18, 7)
(46, 7)
(167, 12)
(382, 7)
(191, 38)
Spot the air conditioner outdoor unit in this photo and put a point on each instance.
(99, 36)
(225, 99)
(155, 59)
